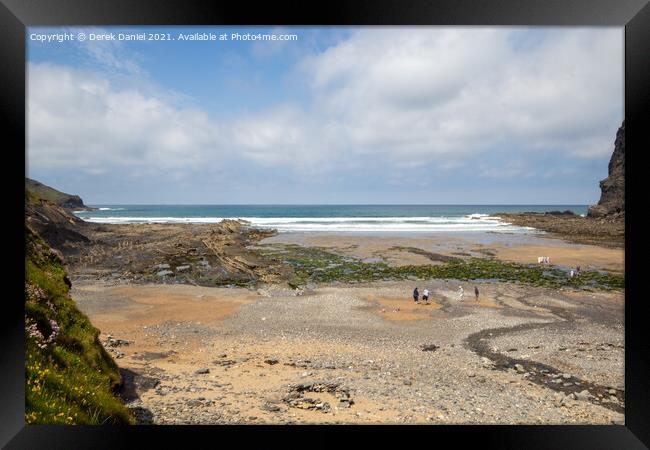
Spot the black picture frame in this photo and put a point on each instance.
(634, 15)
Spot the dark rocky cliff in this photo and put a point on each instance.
(46, 213)
(612, 197)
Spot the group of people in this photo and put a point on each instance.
(546, 260)
(574, 273)
(461, 292)
(425, 294)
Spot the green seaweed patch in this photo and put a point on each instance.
(315, 264)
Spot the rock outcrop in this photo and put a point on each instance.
(53, 196)
(572, 227)
(612, 197)
(55, 223)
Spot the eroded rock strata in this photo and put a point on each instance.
(612, 197)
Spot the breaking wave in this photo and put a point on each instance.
(470, 222)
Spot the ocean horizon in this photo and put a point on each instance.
(330, 218)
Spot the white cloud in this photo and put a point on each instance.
(427, 93)
(401, 97)
(511, 169)
(287, 135)
(420, 96)
(79, 120)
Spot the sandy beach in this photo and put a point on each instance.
(365, 352)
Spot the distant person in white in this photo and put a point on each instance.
(460, 292)
(425, 296)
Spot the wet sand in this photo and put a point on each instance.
(586, 256)
(523, 249)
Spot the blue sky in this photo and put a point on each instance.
(340, 115)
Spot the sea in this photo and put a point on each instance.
(332, 218)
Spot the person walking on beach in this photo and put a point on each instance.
(416, 295)
(476, 292)
(460, 292)
(425, 296)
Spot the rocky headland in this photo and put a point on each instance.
(612, 198)
(36, 189)
(605, 231)
(49, 213)
(604, 223)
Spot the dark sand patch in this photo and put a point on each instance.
(395, 308)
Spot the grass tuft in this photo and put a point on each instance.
(69, 377)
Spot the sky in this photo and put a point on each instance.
(338, 115)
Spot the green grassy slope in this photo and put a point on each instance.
(36, 190)
(69, 377)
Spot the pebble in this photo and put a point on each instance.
(271, 407)
(486, 362)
